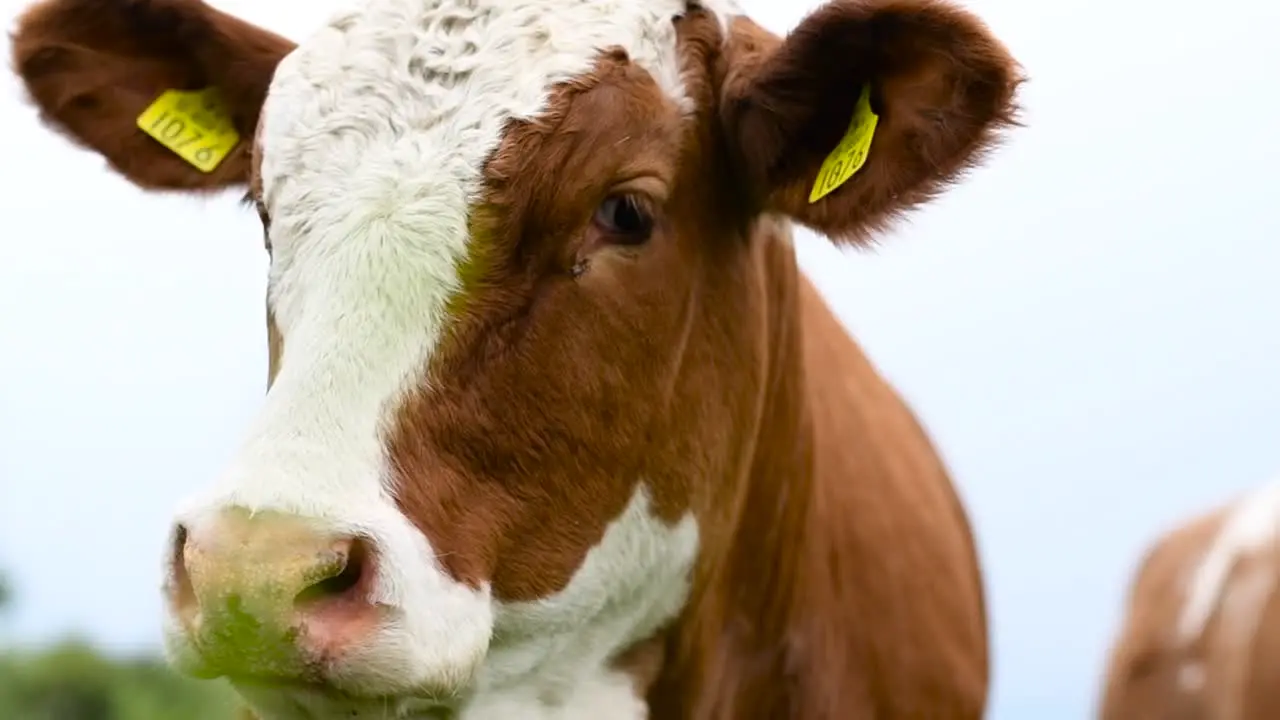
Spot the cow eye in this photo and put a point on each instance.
(624, 219)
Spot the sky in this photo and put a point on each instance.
(1087, 326)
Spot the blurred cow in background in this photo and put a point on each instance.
(1200, 638)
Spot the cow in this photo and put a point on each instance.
(555, 426)
(1199, 637)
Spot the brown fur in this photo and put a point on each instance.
(838, 576)
(1141, 680)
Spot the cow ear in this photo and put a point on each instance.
(167, 91)
(868, 108)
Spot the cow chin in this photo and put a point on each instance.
(247, 600)
(318, 703)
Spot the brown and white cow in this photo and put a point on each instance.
(1200, 635)
(555, 427)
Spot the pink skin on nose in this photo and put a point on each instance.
(336, 614)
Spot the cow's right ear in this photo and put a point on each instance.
(93, 67)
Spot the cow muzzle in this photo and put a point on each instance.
(270, 596)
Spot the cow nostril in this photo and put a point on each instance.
(346, 579)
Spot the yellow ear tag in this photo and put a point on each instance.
(195, 125)
(851, 153)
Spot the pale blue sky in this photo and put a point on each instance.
(1088, 327)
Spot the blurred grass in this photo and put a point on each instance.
(74, 681)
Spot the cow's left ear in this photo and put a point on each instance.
(867, 108)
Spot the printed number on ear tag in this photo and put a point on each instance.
(195, 125)
(851, 153)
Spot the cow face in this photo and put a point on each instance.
(516, 306)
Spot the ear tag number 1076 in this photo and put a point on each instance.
(195, 125)
(851, 153)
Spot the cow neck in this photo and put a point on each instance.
(729, 656)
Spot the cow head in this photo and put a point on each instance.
(516, 307)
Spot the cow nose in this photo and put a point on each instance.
(269, 595)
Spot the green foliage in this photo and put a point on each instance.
(72, 681)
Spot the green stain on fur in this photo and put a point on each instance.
(251, 636)
(479, 264)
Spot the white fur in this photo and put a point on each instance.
(548, 664)
(374, 135)
(1191, 677)
(1252, 526)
